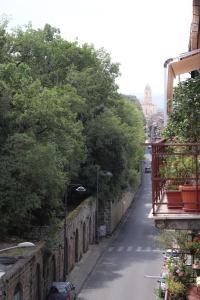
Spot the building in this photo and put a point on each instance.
(147, 105)
(182, 216)
(183, 63)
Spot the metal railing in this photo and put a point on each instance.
(174, 164)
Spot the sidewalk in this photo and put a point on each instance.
(84, 267)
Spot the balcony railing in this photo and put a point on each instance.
(175, 165)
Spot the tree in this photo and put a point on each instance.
(60, 118)
(114, 141)
(184, 121)
(42, 147)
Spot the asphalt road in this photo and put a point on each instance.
(125, 269)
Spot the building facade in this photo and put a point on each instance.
(148, 107)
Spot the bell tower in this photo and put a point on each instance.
(147, 95)
(147, 105)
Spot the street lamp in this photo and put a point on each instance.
(99, 173)
(79, 189)
(20, 245)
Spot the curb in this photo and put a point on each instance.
(82, 270)
(80, 273)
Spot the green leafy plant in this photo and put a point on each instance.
(176, 289)
(159, 294)
(184, 120)
(171, 187)
(181, 167)
(173, 239)
(193, 247)
(178, 271)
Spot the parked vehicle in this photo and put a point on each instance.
(171, 253)
(62, 291)
(147, 169)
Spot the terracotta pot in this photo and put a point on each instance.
(191, 198)
(174, 199)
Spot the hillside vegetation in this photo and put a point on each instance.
(61, 117)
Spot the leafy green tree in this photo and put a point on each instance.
(42, 147)
(114, 144)
(31, 183)
(60, 118)
(184, 121)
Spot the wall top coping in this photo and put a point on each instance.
(19, 261)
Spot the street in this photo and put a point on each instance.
(128, 266)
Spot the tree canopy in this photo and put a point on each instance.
(184, 121)
(61, 117)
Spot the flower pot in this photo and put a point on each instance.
(174, 199)
(191, 198)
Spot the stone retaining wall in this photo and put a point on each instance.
(31, 276)
(118, 210)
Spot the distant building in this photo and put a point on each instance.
(148, 107)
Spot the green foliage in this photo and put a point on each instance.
(60, 117)
(159, 293)
(172, 239)
(184, 121)
(178, 271)
(193, 247)
(176, 289)
(114, 143)
(177, 167)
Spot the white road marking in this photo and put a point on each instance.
(110, 249)
(129, 248)
(139, 249)
(152, 276)
(120, 249)
(148, 249)
(157, 250)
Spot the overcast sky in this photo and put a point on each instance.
(139, 34)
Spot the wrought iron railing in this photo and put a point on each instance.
(175, 164)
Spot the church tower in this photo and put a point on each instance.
(147, 105)
(147, 95)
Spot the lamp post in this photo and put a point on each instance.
(99, 173)
(79, 189)
(20, 245)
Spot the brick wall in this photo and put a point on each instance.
(195, 26)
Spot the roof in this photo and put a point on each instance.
(187, 62)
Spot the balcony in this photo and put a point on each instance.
(176, 166)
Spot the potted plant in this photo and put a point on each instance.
(191, 198)
(184, 124)
(177, 280)
(178, 170)
(179, 270)
(176, 289)
(175, 170)
(194, 246)
(173, 194)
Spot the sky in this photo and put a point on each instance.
(139, 34)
